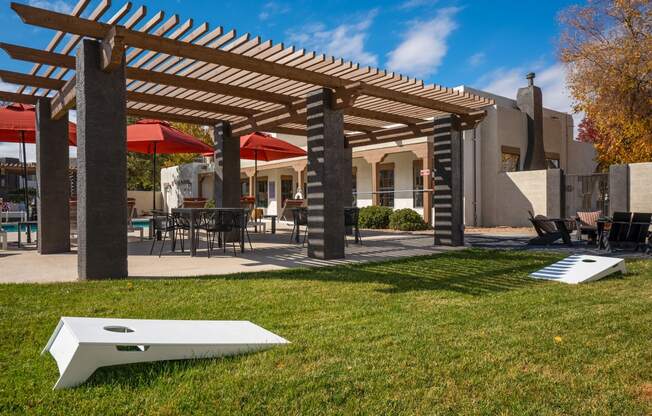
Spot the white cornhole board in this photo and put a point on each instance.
(82, 345)
(580, 268)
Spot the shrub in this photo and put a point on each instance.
(375, 217)
(406, 219)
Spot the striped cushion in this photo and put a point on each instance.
(589, 219)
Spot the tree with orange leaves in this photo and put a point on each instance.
(607, 47)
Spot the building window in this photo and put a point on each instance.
(417, 184)
(244, 186)
(354, 186)
(386, 185)
(286, 189)
(261, 187)
(552, 160)
(510, 160)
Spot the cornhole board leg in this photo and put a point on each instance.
(82, 345)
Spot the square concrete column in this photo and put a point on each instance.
(325, 169)
(449, 182)
(101, 166)
(52, 175)
(227, 166)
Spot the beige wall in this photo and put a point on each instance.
(144, 200)
(640, 187)
(516, 193)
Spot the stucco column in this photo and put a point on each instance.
(101, 166)
(325, 166)
(252, 186)
(449, 181)
(227, 167)
(52, 166)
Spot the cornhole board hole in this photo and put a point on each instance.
(82, 345)
(580, 269)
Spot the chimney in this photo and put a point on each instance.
(529, 101)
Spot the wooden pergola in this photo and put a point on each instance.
(180, 71)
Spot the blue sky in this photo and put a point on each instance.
(486, 44)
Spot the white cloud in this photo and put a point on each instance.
(477, 59)
(411, 4)
(272, 8)
(7, 87)
(60, 6)
(551, 79)
(424, 45)
(344, 41)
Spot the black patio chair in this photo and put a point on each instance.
(351, 219)
(617, 230)
(639, 229)
(165, 224)
(241, 219)
(300, 215)
(217, 223)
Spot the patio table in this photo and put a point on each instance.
(193, 215)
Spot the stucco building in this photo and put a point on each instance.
(392, 174)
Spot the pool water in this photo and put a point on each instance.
(12, 228)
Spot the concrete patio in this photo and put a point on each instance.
(271, 252)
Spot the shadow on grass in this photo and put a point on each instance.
(474, 272)
(140, 375)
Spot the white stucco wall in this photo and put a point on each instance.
(640, 187)
(519, 192)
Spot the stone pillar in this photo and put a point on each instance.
(347, 180)
(52, 173)
(227, 167)
(101, 166)
(619, 189)
(325, 170)
(449, 182)
(530, 101)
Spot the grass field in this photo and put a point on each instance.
(459, 333)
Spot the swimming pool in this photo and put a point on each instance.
(12, 228)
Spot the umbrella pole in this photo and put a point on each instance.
(154, 179)
(26, 193)
(255, 179)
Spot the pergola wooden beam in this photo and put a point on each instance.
(113, 48)
(65, 99)
(15, 97)
(144, 75)
(71, 24)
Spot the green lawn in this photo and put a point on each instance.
(460, 333)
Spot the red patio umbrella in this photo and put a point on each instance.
(262, 146)
(156, 137)
(18, 125)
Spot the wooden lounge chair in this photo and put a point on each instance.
(549, 230)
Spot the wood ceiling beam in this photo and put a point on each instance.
(144, 75)
(179, 118)
(15, 97)
(63, 22)
(31, 80)
(65, 100)
(113, 49)
(188, 104)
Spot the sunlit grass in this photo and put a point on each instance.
(459, 333)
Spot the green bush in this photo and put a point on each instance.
(406, 219)
(375, 217)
